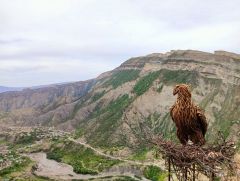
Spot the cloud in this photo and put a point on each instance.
(12, 41)
(48, 70)
(85, 37)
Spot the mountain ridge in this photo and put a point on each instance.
(112, 109)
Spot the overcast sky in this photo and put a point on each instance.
(51, 41)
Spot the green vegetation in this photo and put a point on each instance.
(83, 160)
(2, 141)
(97, 96)
(179, 76)
(18, 164)
(27, 138)
(217, 179)
(78, 132)
(20, 169)
(160, 87)
(145, 83)
(153, 120)
(230, 109)
(164, 125)
(77, 106)
(115, 178)
(224, 126)
(140, 154)
(154, 173)
(120, 77)
(238, 145)
(208, 98)
(227, 116)
(108, 120)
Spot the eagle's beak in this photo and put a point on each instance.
(174, 92)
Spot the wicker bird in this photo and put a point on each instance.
(189, 119)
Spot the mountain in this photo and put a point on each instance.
(115, 108)
(12, 89)
(7, 89)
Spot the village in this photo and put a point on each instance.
(27, 137)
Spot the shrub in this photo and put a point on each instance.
(154, 173)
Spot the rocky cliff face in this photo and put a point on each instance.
(114, 108)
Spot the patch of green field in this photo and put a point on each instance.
(83, 160)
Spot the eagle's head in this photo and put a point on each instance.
(182, 90)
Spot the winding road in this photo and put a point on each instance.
(62, 171)
(158, 164)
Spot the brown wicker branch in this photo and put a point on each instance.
(209, 160)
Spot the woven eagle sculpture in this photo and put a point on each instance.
(189, 119)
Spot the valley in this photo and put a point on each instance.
(101, 127)
(32, 147)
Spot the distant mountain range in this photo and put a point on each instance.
(10, 89)
(115, 108)
(6, 89)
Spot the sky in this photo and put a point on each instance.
(52, 41)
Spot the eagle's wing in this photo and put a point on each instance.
(202, 120)
(171, 112)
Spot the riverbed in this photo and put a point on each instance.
(61, 171)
